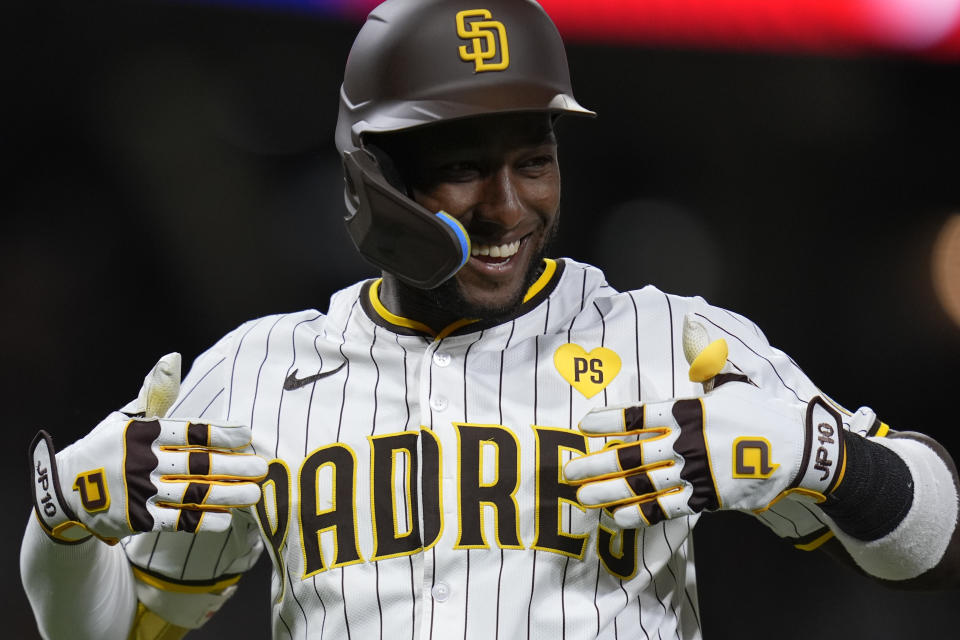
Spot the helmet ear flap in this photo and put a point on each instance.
(388, 168)
(351, 194)
(385, 167)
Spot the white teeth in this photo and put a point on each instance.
(496, 251)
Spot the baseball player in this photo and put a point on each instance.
(484, 442)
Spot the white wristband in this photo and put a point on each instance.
(920, 540)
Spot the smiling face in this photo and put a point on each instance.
(497, 175)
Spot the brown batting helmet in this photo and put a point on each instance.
(419, 62)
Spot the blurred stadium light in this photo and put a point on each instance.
(946, 267)
(930, 28)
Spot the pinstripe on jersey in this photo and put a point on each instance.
(416, 491)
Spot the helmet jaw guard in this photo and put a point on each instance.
(395, 233)
(412, 65)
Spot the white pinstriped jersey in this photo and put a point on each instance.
(415, 489)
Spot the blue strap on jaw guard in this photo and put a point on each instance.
(461, 235)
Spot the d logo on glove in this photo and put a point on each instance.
(94, 495)
(751, 458)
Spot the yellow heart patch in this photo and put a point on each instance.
(588, 373)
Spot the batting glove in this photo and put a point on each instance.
(138, 471)
(737, 447)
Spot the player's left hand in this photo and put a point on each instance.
(737, 447)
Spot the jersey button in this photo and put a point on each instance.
(438, 403)
(442, 359)
(440, 591)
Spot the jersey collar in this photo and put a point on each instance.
(379, 314)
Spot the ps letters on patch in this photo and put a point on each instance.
(594, 366)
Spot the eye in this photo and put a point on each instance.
(537, 162)
(458, 171)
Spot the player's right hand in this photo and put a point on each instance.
(138, 471)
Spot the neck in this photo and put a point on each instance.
(415, 304)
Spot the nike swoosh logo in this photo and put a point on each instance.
(293, 382)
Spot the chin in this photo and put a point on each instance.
(490, 306)
(496, 299)
(470, 295)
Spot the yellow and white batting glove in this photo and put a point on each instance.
(138, 471)
(737, 447)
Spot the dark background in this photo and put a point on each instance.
(169, 172)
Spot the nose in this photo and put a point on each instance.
(502, 202)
